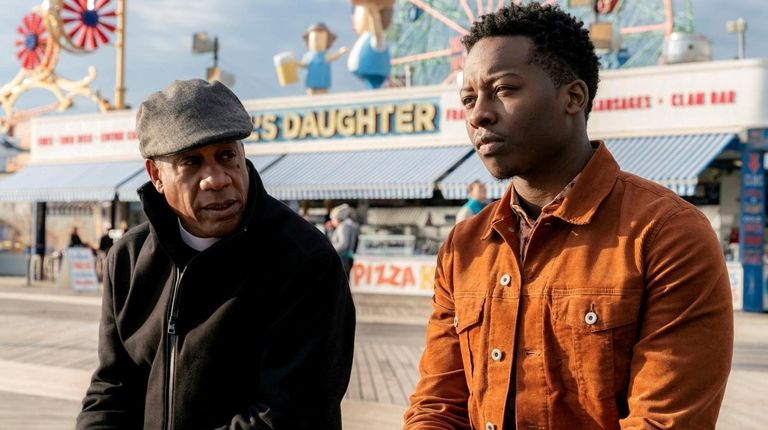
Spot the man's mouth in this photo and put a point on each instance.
(488, 144)
(222, 209)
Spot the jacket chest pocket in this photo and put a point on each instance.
(467, 322)
(594, 335)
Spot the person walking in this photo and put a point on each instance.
(344, 234)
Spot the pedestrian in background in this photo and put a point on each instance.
(74, 238)
(587, 297)
(225, 309)
(344, 234)
(477, 199)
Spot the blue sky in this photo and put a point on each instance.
(159, 38)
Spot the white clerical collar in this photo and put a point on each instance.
(194, 242)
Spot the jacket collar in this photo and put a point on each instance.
(595, 183)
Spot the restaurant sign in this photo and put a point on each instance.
(408, 117)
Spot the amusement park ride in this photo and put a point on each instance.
(76, 26)
(425, 34)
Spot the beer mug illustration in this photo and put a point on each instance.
(286, 65)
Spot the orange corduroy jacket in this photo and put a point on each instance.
(620, 316)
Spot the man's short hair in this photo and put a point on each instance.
(561, 45)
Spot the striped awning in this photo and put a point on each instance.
(371, 174)
(672, 161)
(80, 182)
(127, 191)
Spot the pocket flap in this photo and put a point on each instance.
(468, 312)
(596, 312)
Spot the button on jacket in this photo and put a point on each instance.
(619, 317)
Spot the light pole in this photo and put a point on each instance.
(202, 44)
(738, 26)
(120, 66)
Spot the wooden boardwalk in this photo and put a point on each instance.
(46, 361)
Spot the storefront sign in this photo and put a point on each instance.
(752, 228)
(393, 275)
(350, 121)
(79, 272)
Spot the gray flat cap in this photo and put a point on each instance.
(189, 114)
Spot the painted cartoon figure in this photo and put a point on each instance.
(369, 58)
(318, 61)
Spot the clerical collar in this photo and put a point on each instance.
(194, 242)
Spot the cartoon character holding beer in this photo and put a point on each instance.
(317, 60)
(369, 58)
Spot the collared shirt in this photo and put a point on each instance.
(526, 224)
(195, 242)
(620, 317)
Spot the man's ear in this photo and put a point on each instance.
(578, 96)
(154, 174)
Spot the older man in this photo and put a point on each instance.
(225, 309)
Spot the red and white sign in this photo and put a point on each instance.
(393, 275)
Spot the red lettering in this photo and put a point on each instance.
(357, 272)
(45, 141)
(408, 278)
(66, 140)
(84, 138)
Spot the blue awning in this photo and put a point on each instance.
(370, 174)
(82, 182)
(127, 191)
(672, 161)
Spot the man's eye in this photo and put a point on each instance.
(467, 101)
(504, 89)
(228, 156)
(188, 161)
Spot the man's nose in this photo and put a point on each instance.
(482, 113)
(214, 178)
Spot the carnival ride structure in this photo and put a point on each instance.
(76, 26)
(425, 34)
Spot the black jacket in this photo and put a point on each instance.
(261, 334)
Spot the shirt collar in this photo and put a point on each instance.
(595, 182)
(195, 242)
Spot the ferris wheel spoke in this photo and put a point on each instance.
(467, 10)
(83, 4)
(81, 36)
(111, 28)
(110, 14)
(101, 4)
(102, 37)
(440, 17)
(91, 38)
(69, 8)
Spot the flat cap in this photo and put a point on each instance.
(189, 114)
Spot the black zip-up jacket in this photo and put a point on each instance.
(260, 335)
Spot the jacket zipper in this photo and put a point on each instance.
(170, 365)
(170, 369)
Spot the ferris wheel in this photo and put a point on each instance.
(425, 34)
